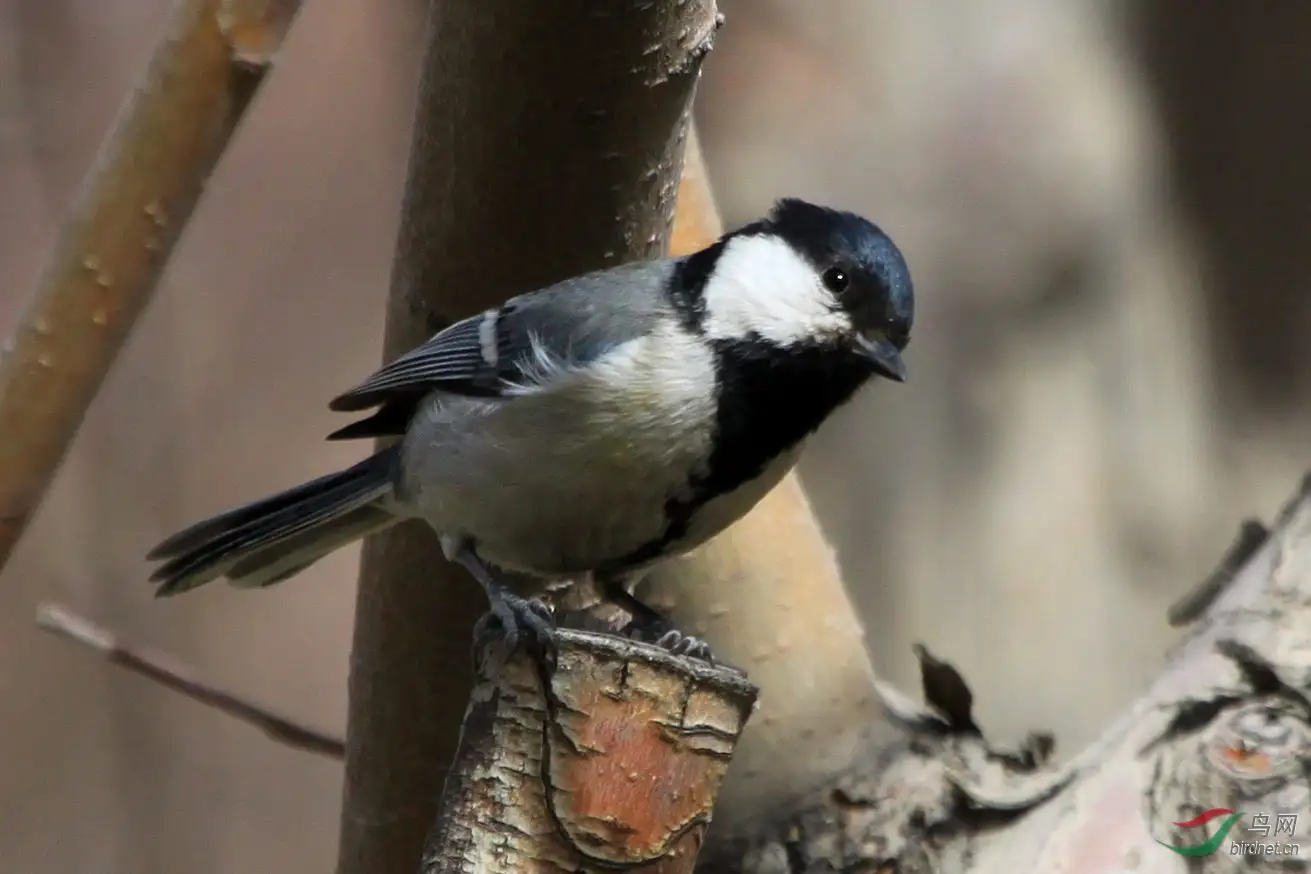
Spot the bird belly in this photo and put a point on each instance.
(566, 478)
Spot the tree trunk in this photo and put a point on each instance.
(547, 142)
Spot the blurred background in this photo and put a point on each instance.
(1105, 207)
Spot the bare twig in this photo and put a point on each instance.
(167, 672)
(135, 201)
(613, 762)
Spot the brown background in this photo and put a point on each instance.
(1106, 215)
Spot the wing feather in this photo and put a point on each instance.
(453, 360)
(531, 340)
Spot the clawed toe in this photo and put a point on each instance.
(526, 622)
(523, 621)
(682, 644)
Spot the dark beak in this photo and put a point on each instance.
(886, 358)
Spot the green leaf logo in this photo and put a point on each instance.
(1213, 843)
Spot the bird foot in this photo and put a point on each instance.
(526, 622)
(682, 644)
(648, 624)
(520, 622)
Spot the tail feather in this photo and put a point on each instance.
(272, 539)
(205, 530)
(288, 557)
(254, 537)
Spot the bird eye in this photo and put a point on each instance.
(836, 279)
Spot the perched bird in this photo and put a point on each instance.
(599, 425)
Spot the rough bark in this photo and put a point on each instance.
(134, 203)
(548, 141)
(1227, 724)
(611, 761)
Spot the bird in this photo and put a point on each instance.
(600, 425)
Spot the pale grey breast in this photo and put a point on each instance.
(610, 407)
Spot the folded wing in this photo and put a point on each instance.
(529, 341)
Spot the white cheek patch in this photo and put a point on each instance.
(761, 286)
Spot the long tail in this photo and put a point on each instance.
(268, 541)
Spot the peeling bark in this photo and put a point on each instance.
(1227, 724)
(611, 761)
(112, 248)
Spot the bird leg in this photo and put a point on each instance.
(518, 616)
(653, 625)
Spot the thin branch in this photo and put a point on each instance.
(167, 672)
(135, 201)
